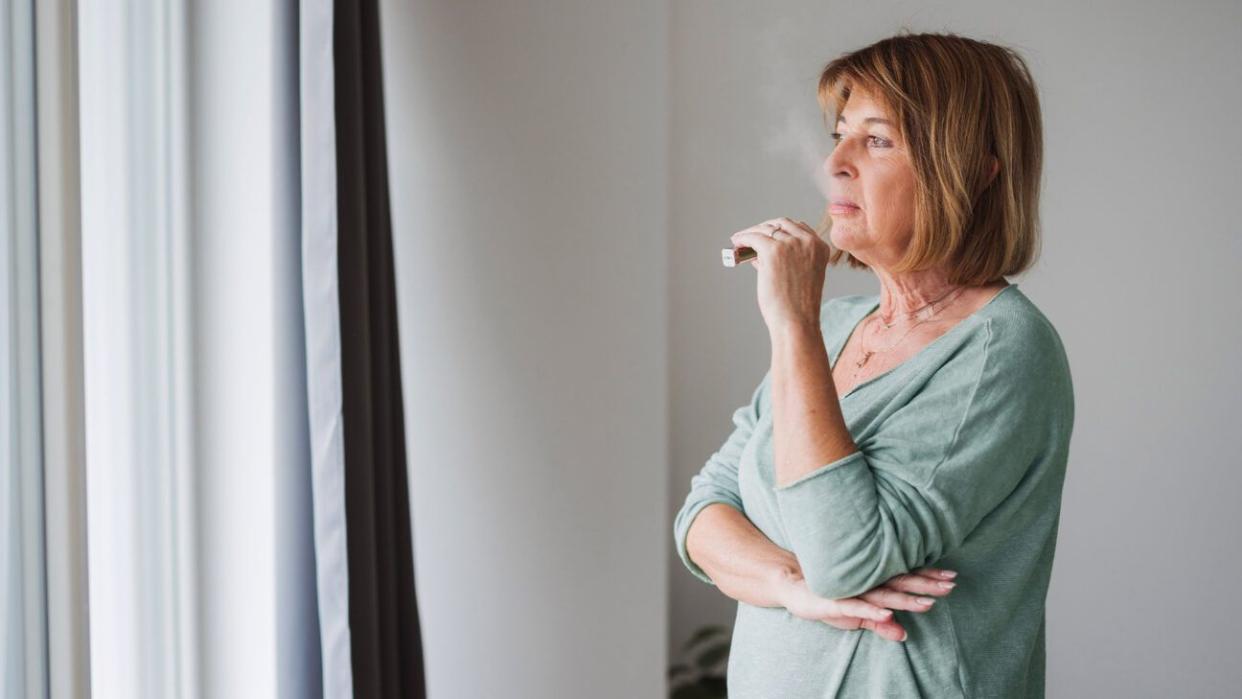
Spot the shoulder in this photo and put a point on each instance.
(1024, 352)
(1019, 332)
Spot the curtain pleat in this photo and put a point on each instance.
(387, 652)
(321, 307)
(369, 625)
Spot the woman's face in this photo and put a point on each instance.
(871, 168)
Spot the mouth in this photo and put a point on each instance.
(843, 206)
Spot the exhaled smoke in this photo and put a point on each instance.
(798, 132)
(802, 139)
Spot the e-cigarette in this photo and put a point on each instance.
(732, 257)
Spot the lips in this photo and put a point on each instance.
(843, 207)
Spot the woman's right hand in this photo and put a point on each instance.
(871, 609)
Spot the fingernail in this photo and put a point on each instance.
(905, 635)
(948, 574)
(925, 600)
(947, 585)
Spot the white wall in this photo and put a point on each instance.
(528, 150)
(1139, 274)
(530, 183)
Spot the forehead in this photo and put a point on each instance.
(862, 110)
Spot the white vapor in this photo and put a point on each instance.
(800, 135)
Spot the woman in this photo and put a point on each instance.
(901, 437)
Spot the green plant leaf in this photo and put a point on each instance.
(704, 633)
(679, 669)
(694, 690)
(713, 655)
(715, 687)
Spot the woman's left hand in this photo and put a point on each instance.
(792, 260)
(872, 609)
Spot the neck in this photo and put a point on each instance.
(903, 294)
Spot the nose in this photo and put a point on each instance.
(839, 162)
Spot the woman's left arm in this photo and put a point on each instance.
(857, 515)
(989, 430)
(808, 429)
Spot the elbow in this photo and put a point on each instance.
(839, 571)
(838, 582)
(849, 546)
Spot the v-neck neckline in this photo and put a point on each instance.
(917, 355)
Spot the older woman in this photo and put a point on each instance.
(900, 437)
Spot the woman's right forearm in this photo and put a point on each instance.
(742, 562)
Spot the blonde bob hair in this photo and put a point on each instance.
(957, 103)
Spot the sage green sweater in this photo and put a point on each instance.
(961, 458)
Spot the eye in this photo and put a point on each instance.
(881, 142)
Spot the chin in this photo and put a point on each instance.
(842, 239)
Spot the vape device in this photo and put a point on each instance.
(732, 257)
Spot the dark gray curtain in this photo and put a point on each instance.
(387, 653)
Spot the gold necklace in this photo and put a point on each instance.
(862, 339)
(916, 311)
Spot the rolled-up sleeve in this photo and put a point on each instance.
(915, 491)
(717, 480)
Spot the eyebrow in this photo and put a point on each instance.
(868, 120)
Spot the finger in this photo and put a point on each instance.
(853, 606)
(938, 573)
(890, 630)
(761, 242)
(919, 584)
(895, 599)
(796, 228)
(765, 228)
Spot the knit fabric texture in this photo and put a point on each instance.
(962, 453)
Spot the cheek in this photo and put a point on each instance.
(891, 201)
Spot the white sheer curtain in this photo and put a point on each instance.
(137, 353)
(201, 566)
(153, 395)
(23, 629)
